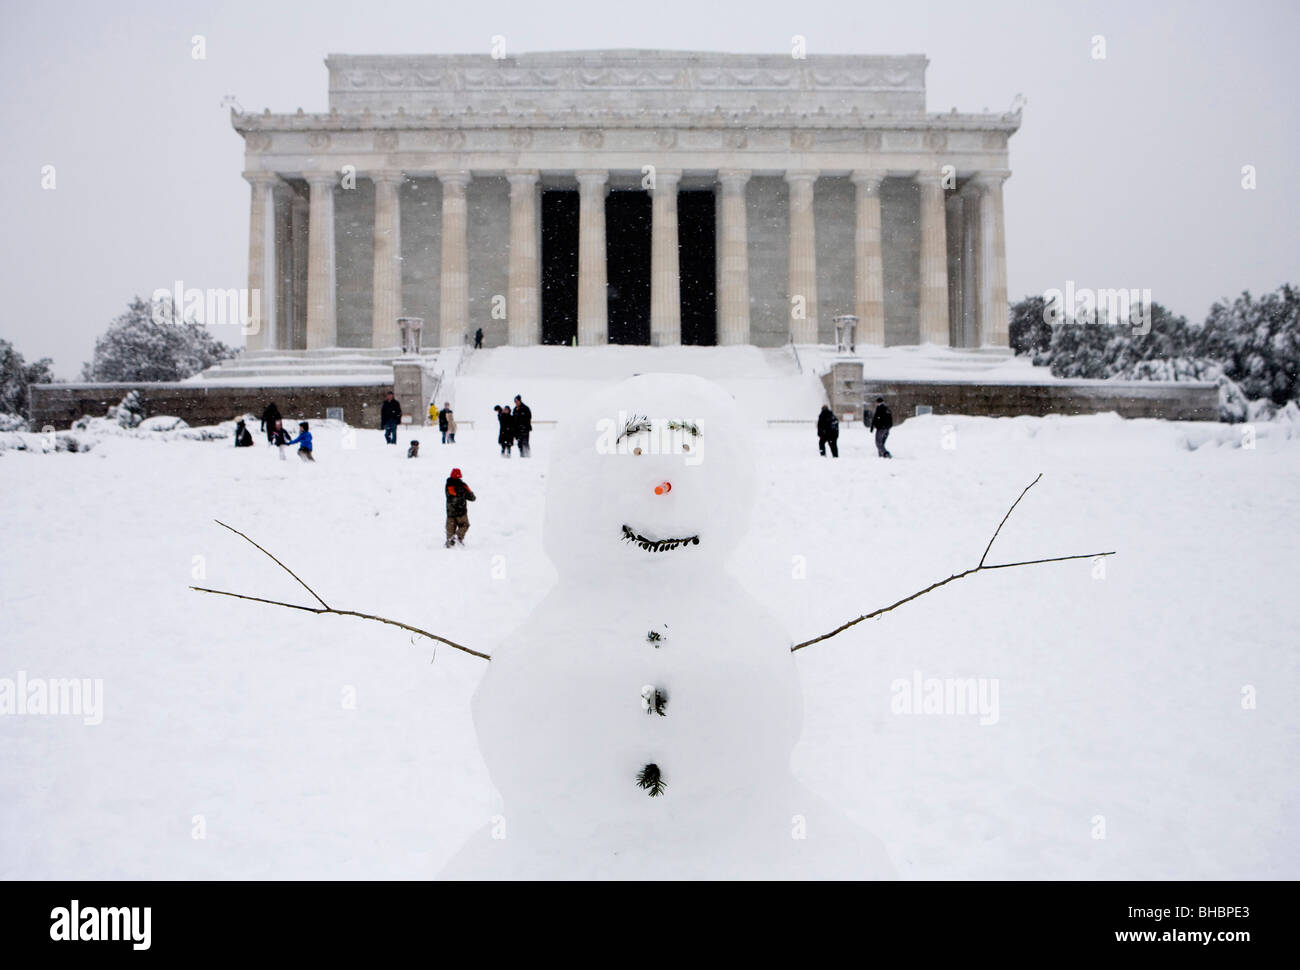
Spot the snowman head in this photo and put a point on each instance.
(654, 473)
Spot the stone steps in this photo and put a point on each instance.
(313, 366)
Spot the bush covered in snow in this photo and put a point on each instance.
(1249, 347)
(162, 422)
(15, 375)
(151, 342)
(130, 412)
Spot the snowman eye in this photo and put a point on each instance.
(637, 424)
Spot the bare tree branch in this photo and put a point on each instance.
(956, 576)
(273, 559)
(1007, 516)
(324, 607)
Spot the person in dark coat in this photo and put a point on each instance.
(458, 493)
(523, 425)
(280, 438)
(443, 417)
(882, 419)
(478, 339)
(390, 416)
(269, 417)
(828, 432)
(243, 437)
(506, 438)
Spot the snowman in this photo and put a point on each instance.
(640, 723)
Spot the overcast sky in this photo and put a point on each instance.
(1126, 171)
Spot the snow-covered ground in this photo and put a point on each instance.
(325, 747)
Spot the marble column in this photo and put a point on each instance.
(955, 210)
(322, 313)
(934, 262)
(453, 304)
(387, 287)
(970, 265)
(593, 307)
(281, 337)
(802, 267)
(868, 261)
(523, 297)
(260, 327)
(300, 237)
(665, 277)
(994, 324)
(733, 260)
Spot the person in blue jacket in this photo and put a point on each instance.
(303, 441)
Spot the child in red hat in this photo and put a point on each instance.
(458, 493)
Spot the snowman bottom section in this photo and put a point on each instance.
(582, 720)
(787, 836)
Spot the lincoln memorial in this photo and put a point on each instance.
(631, 197)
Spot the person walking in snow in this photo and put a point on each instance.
(433, 412)
(458, 493)
(303, 441)
(478, 339)
(506, 436)
(269, 418)
(882, 419)
(523, 420)
(390, 416)
(445, 420)
(828, 432)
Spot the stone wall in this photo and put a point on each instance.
(199, 404)
(1175, 401)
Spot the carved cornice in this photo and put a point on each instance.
(625, 70)
(996, 126)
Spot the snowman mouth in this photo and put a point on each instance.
(657, 545)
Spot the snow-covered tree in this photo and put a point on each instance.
(15, 375)
(129, 412)
(151, 342)
(1258, 343)
(1030, 332)
(1100, 350)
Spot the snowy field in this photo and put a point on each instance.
(306, 746)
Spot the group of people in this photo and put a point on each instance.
(515, 427)
(276, 434)
(878, 419)
(446, 421)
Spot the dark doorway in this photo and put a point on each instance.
(696, 227)
(627, 248)
(559, 266)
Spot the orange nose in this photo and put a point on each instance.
(663, 488)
